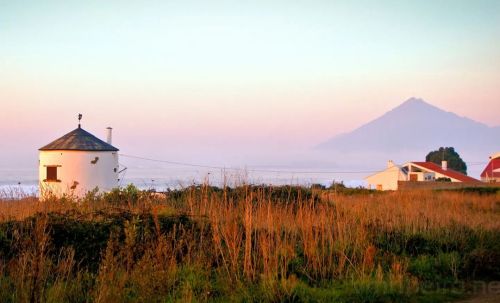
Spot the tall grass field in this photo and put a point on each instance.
(250, 244)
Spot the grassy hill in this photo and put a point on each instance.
(251, 243)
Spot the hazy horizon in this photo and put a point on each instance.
(236, 83)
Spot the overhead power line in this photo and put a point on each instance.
(476, 163)
(246, 169)
(177, 163)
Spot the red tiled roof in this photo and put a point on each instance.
(492, 170)
(449, 172)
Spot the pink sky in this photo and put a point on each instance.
(266, 77)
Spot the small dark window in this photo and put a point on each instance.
(51, 173)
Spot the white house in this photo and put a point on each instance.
(388, 178)
(77, 163)
(415, 172)
(491, 172)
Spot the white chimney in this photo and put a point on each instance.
(109, 135)
(444, 165)
(390, 164)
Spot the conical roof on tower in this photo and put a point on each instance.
(79, 139)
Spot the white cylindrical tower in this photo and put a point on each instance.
(76, 163)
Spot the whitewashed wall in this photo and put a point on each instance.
(388, 179)
(77, 166)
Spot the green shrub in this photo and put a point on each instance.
(441, 270)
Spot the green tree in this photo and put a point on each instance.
(448, 154)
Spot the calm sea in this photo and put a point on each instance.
(15, 181)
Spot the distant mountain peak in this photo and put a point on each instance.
(414, 100)
(416, 107)
(416, 125)
(415, 103)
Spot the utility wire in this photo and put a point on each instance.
(262, 170)
(243, 169)
(476, 163)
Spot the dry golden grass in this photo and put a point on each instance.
(245, 237)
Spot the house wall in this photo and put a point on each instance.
(78, 166)
(407, 185)
(387, 179)
(491, 180)
(491, 172)
(424, 176)
(429, 175)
